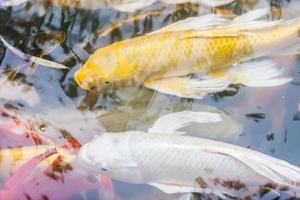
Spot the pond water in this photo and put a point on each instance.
(263, 119)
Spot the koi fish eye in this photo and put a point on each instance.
(43, 127)
(103, 167)
(107, 82)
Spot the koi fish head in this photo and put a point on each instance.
(110, 155)
(92, 79)
(105, 72)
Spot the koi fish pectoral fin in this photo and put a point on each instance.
(185, 87)
(170, 189)
(265, 73)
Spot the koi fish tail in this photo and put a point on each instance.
(280, 175)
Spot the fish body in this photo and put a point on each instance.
(158, 60)
(185, 164)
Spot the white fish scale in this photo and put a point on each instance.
(160, 160)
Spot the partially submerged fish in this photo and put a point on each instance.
(73, 127)
(122, 5)
(48, 172)
(13, 158)
(16, 91)
(183, 164)
(24, 109)
(214, 48)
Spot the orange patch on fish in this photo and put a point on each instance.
(1, 156)
(201, 182)
(16, 154)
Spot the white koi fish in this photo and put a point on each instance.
(183, 164)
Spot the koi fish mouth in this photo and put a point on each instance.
(87, 81)
(82, 79)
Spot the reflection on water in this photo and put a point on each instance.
(49, 102)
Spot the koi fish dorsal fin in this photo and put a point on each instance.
(218, 21)
(195, 23)
(179, 120)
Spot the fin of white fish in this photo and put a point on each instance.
(219, 21)
(169, 189)
(34, 59)
(133, 6)
(278, 171)
(179, 120)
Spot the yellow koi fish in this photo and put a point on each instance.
(218, 48)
